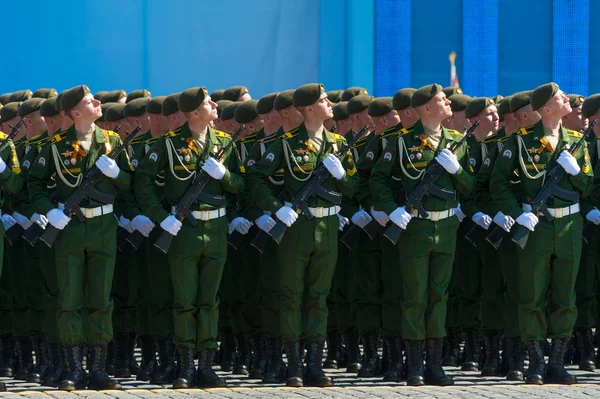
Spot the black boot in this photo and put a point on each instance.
(9, 360)
(99, 379)
(335, 350)
(187, 372)
(434, 373)
(2, 387)
(385, 357)
(275, 366)
(514, 359)
(148, 365)
(414, 362)
(472, 350)
(133, 364)
(452, 355)
(371, 366)
(295, 368)
(41, 360)
(351, 341)
(396, 369)
(536, 372)
(491, 367)
(122, 347)
(56, 366)
(207, 378)
(244, 358)
(76, 377)
(259, 359)
(228, 349)
(24, 353)
(165, 371)
(315, 376)
(585, 344)
(555, 372)
(110, 358)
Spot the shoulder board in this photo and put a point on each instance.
(250, 137)
(503, 139)
(3, 135)
(338, 136)
(57, 137)
(268, 139)
(490, 139)
(289, 135)
(574, 133)
(219, 133)
(171, 133)
(406, 130)
(455, 132)
(525, 130)
(111, 133)
(386, 131)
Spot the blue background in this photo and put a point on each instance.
(503, 46)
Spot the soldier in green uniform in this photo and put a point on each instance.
(575, 120)
(198, 253)
(335, 96)
(219, 124)
(309, 247)
(170, 109)
(550, 260)
(428, 244)
(85, 250)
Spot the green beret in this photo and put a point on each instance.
(498, 98)
(30, 106)
(234, 92)
(381, 106)
(48, 107)
(20, 96)
(542, 94)
(137, 94)
(308, 94)
(58, 100)
(358, 104)
(217, 95)
(171, 104)
(4, 98)
(477, 105)
(265, 104)
(136, 107)
(459, 102)
(154, 106)
(191, 99)
(590, 106)
(520, 100)
(504, 106)
(229, 110)
(100, 96)
(402, 98)
(283, 99)
(221, 104)
(114, 96)
(246, 112)
(576, 100)
(9, 111)
(340, 111)
(451, 90)
(352, 92)
(425, 94)
(335, 96)
(114, 113)
(44, 93)
(70, 98)
(104, 107)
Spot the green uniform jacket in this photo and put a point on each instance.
(351, 205)
(11, 180)
(414, 157)
(524, 152)
(292, 155)
(177, 156)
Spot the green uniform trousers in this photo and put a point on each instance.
(269, 279)
(197, 257)
(22, 315)
(48, 267)
(550, 261)
(158, 288)
(467, 269)
(307, 257)
(342, 299)
(85, 255)
(509, 264)
(492, 286)
(391, 278)
(233, 290)
(587, 283)
(6, 297)
(427, 251)
(369, 284)
(35, 287)
(125, 291)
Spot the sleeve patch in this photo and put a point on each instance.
(270, 157)
(42, 161)
(153, 157)
(387, 156)
(370, 155)
(507, 154)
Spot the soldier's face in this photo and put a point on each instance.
(575, 120)
(89, 109)
(489, 119)
(459, 121)
(439, 107)
(559, 105)
(208, 110)
(322, 109)
(245, 97)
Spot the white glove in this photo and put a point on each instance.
(569, 163)
(459, 213)
(593, 216)
(448, 160)
(2, 165)
(334, 166)
(343, 222)
(108, 167)
(482, 219)
(142, 224)
(241, 224)
(528, 219)
(504, 221)
(57, 218)
(361, 218)
(22, 220)
(214, 168)
(400, 217)
(265, 223)
(171, 225)
(41, 220)
(286, 215)
(126, 224)
(8, 221)
(381, 217)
